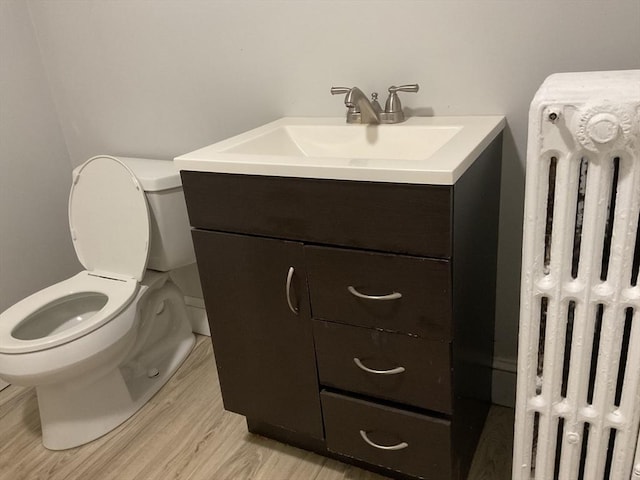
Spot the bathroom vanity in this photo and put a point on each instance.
(350, 315)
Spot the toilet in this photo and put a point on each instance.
(100, 344)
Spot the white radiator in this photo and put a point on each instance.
(578, 393)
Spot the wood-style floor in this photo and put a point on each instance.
(184, 433)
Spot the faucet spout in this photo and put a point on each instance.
(357, 99)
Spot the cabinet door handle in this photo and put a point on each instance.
(390, 296)
(361, 366)
(398, 446)
(288, 288)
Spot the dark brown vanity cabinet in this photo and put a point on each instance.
(354, 318)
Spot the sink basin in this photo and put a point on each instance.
(423, 150)
(413, 142)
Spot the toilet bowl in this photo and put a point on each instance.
(99, 345)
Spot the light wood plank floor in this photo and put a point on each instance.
(184, 433)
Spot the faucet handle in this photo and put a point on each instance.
(412, 87)
(351, 109)
(339, 90)
(393, 104)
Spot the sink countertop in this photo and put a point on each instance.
(421, 150)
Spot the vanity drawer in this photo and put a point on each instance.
(345, 286)
(423, 444)
(345, 355)
(394, 217)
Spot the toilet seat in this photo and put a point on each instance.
(118, 295)
(111, 233)
(109, 219)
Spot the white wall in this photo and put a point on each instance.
(35, 169)
(160, 78)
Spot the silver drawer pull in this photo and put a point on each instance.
(288, 289)
(399, 446)
(361, 366)
(390, 296)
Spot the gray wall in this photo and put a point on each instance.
(35, 169)
(160, 78)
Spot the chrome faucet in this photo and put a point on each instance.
(362, 110)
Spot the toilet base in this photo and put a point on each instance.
(79, 411)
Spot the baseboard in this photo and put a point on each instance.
(504, 382)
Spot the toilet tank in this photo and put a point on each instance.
(171, 245)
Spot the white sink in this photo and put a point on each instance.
(423, 150)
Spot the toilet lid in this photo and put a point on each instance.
(109, 219)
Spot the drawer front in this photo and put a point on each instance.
(361, 288)
(389, 366)
(403, 218)
(362, 429)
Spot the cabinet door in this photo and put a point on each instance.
(256, 296)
